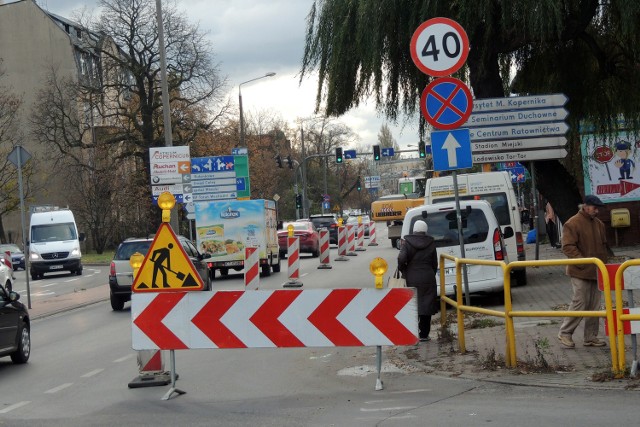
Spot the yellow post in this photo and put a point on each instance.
(463, 347)
(508, 307)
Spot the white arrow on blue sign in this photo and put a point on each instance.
(349, 154)
(387, 152)
(451, 149)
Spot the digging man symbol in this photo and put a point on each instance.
(159, 258)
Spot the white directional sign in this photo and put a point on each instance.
(520, 156)
(519, 102)
(532, 126)
(170, 168)
(439, 47)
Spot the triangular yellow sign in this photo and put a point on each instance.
(166, 267)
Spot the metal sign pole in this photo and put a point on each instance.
(467, 297)
(173, 388)
(24, 237)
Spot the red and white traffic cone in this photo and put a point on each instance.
(342, 244)
(372, 234)
(351, 240)
(251, 268)
(360, 231)
(324, 250)
(293, 257)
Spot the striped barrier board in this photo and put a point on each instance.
(251, 268)
(628, 326)
(630, 277)
(293, 258)
(372, 234)
(325, 262)
(360, 237)
(274, 318)
(342, 244)
(351, 241)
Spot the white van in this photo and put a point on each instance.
(483, 240)
(54, 242)
(497, 189)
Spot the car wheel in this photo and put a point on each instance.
(224, 271)
(276, 267)
(79, 272)
(520, 277)
(316, 253)
(283, 255)
(34, 276)
(8, 286)
(21, 355)
(394, 243)
(266, 271)
(117, 303)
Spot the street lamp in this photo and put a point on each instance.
(270, 74)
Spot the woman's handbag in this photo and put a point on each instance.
(396, 281)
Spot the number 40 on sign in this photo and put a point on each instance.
(439, 47)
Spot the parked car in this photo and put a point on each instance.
(121, 272)
(17, 256)
(483, 240)
(306, 232)
(15, 326)
(329, 222)
(353, 219)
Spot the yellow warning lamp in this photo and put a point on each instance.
(166, 202)
(359, 219)
(290, 230)
(135, 261)
(378, 267)
(340, 221)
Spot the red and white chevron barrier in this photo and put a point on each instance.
(351, 240)
(293, 258)
(372, 234)
(360, 231)
(325, 262)
(342, 244)
(251, 268)
(274, 318)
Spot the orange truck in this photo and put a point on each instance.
(392, 209)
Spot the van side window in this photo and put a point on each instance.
(445, 232)
(498, 201)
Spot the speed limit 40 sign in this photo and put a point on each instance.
(439, 47)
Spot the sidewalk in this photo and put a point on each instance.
(541, 359)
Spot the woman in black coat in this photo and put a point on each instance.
(418, 262)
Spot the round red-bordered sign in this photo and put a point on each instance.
(446, 103)
(439, 47)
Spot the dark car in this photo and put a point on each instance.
(306, 233)
(329, 222)
(17, 256)
(121, 272)
(15, 327)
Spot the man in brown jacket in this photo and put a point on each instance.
(583, 236)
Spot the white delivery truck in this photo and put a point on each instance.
(225, 228)
(497, 189)
(54, 242)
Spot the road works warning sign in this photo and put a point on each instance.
(166, 267)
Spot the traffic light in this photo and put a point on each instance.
(421, 150)
(376, 152)
(298, 201)
(279, 161)
(290, 162)
(339, 155)
(358, 186)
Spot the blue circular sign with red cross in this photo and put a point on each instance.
(446, 103)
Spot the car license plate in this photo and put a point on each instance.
(55, 267)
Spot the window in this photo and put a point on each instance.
(498, 201)
(443, 227)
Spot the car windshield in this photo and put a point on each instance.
(53, 232)
(11, 248)
(354, 219)
(300, 226)
(322, 222)
(127, 249)
(443, 227)
(498, 201)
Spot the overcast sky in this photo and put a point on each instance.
(253, 37)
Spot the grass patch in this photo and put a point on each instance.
(95, 258)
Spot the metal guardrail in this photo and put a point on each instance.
(617, 361)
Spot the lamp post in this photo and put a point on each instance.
(270, 74)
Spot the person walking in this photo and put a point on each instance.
(418, 262)
(583, 236)
(551, 220)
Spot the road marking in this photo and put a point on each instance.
(390, 408)
(419, 390)
(50, 284)
(14, 406)
(60, 387)
(122, 359)
(92, 373)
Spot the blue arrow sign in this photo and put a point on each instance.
(240, 184)
(211, 164)
(451, 150)
(387, 152)
(349, 154)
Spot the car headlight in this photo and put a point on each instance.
(34, 256)
(75, 252)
